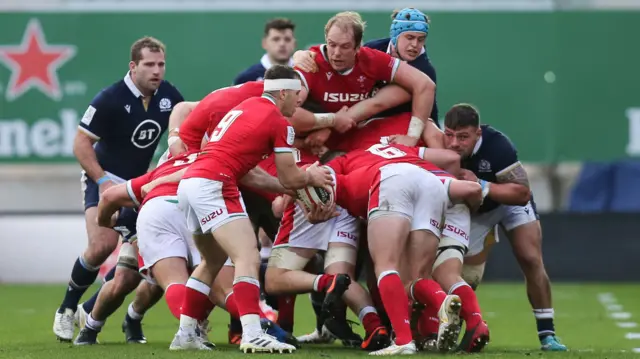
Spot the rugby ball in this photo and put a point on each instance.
(313, 196)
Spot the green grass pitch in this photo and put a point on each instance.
(595, 321)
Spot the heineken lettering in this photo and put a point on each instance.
(44, 138)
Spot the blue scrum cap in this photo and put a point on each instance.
(408, 20)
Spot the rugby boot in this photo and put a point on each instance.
(428, 343)
(63, 325)
(132, 330)
(87, 336)
(475, 339)
(264, 343)
(376, 340)
(317, 337)
(184, 340)
(551, 343)
(394, 349)
(333, 294)
(450, 323)
(202, 330)
(343, 330)
(282, 335)
(80, 318)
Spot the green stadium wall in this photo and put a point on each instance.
(565, 86)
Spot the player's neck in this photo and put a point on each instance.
(277, 62)
(146, 94)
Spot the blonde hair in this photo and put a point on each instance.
(147, 42)
(347, 20)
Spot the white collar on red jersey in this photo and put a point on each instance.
(323, 48)
(266, 62)
(132, 87)
(390, 44)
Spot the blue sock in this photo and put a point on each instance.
(82, 277)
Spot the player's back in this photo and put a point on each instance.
(333, 89)
(246, 135)
(206, 115)
(171, 166)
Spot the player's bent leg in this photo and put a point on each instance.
(147, 295)
(102, 242)
(285, 275)
(387, 236)
(526, 243)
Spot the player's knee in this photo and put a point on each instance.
(343, 257)
(472, 274)
(125, 281)
(101, 245)
(272, 279)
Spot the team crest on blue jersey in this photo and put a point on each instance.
(146, 134)
(165, 105)
(484, 166)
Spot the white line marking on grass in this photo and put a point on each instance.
(627, 324)
(615, 311)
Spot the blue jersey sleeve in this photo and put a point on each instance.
(95, 121)
(253, 73)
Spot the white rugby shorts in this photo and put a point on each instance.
(209, 204)
(163, 233)
(411, 192)
(296, 232)
(509, 217)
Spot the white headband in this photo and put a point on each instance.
(282, 84)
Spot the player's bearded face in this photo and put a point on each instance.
(462, 140)
(148, 73)
(290, 102)
(410, 45)
(341, 49)
(279, 44)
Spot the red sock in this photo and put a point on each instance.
(322, 282)
(470, 311)
(395, 300)
(232, 306)
(174, 296)
(246, 292)
(196, 302)
(429, 293)
(286, 309)
(428, 323)
(370, 322)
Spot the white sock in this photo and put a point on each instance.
(133, 314)
(188, 324)
(251, 325)
(94, 324)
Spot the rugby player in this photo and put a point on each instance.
(490, 158)
(347, 73)
(278, 42)
(370, 169)
(210, 199)
(409, 29)
(124, 121)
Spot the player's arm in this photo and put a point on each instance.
(93, 126)
(467, 192)
(445, 159)
(110, 202)
(177, 117)
(512, 187)
(173, 177)
(387, 97)
(260, 179)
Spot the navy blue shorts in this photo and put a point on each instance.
(126, 224)
(90, 192)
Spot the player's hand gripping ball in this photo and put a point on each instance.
(315, 196)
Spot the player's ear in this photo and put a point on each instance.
(132, 65)
(264, 43)
(479, 131)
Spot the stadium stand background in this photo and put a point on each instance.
(535, 68)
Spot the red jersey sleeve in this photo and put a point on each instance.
(283, 135)
(378, 65)
(134, 187)
(308, 77)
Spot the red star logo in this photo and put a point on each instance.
(34, 63)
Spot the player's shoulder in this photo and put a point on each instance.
(494, 142)
(252, 73)
(110, 95)
(378, 44)
(371, 53)
(166, 88)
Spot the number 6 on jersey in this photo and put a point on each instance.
(224, 124)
